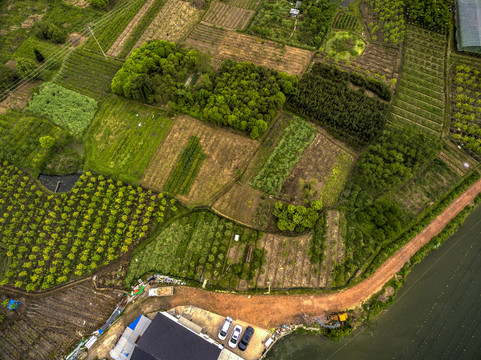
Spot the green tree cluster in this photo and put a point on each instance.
(8, 77)
(297, 218)
(49, 31)
(395, 157)
(431, 14)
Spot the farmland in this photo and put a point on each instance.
(172, 23)
(226, 153)
(53, 239)
(123, 138)
(222, 44)
(226, 16)
(421, 95)
(87, 73)
(466, 105)
(46, 326)
(245, 4)
(200, 246)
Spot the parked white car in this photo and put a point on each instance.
(234, 338)
(224, 330)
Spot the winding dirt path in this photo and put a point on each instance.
(270, 310)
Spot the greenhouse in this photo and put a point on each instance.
(468, 32)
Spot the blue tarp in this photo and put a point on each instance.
(134, 323)
(12, 304)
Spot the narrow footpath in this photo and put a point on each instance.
(271, 310)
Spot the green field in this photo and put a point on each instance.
(117, 146)
(88, 73)
(196, 247)
(420, 97)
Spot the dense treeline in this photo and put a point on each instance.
(240, 95)
(395, 157)
(297, 218)
(324, 95)
(431, 14)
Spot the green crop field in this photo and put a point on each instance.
(199, 246)
(123, 137)
(88, 73)
(420, 97)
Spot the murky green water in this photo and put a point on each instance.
(436, 315)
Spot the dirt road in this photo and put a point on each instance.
(270, 310)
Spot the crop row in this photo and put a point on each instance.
(186, 169)
(52, 238)
(140, 28)
(346, 21)
(107, 32)
(390, 13)
(287, 153)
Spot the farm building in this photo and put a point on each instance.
(167, 338)
(468, 32)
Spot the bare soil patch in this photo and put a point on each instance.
(222, 44)
(76, 39)
(19, 98)
(32, 19)
(172, 23)
(334, 250)
(78, 3)
(47, 325)
(227, 154)
(119, 43)
(226, 16)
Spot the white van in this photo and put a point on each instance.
(224, 330)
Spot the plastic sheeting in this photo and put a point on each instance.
(468, 31)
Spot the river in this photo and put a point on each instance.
(436, 315)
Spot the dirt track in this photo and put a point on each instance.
(268, 311)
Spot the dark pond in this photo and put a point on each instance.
(67, 182)
(437, 313)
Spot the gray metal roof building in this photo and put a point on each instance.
(468, 33)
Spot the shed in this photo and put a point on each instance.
(294, 12)
(126, 344)
(468, 32)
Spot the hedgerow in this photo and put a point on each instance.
(66, 108)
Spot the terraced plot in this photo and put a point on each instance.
(172, 23)
(226, 153)
(88, 73)
(222, 44)
(226, 16)
(421, 96)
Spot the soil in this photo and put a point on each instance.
(76, 39)
(19, 98)
(226, 16)
(227, 154)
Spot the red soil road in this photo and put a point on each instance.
(271, 310)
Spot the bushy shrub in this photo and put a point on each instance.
(296, 218)
(27, 68)
(49, 31)
(66, 108)
(8, 77)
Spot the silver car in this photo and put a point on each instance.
(224, 330)
(234, 338)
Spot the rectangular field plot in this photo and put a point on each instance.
(226, 153)
(222, 44)
(88, 73)
(287, 263)
(226, 16)
(117, 146)
(420, 98)
(321, 172)
(172, 23)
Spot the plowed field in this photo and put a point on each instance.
(226, 153)
(226, 16)
(172, 23)
(223, 45)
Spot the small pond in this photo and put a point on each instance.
(66, 182)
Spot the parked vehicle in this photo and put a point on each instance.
(246, 338)
(234, 338)
(224, 330)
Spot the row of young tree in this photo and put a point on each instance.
(325, 96)
(240, 95)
